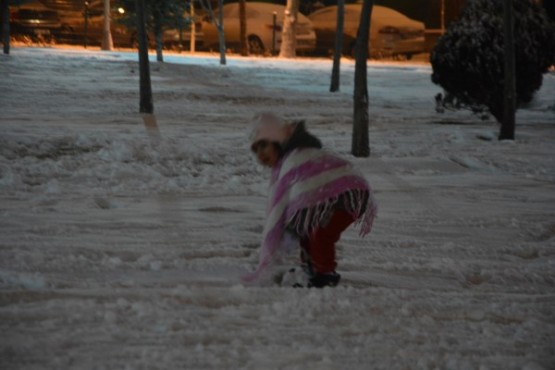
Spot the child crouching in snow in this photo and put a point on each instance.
(314, 196)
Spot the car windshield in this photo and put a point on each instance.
(233, 11)
(388, 13)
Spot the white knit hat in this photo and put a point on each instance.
(268, 126)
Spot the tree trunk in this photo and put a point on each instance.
(159, 44)
(360, 143)
(338, 46)
(107, 43)
(5, 11)
(288, 37)
(146, 105)
(158, 35)
(193, 41)
(219, 23)
(86, 25)
(509, 98)
(221, 34)
(242, 27)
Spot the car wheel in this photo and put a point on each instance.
(255, 45)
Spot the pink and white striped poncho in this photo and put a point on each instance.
(309, 180)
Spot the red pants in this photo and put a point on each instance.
(318, 250)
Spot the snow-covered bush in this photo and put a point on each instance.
(468, 60)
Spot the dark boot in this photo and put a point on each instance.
(321, 280)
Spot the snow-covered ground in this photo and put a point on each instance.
(120, 251)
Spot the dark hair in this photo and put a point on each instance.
(301, 138)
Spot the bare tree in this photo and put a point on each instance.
(334, 86)
(158, 21)
(5, 20)
(221, 34)
(107, 43)
(243, 27)
(219, 23)
(288, 37)
(509, 100)
(146, 105)
(360, 142)
(193, 41)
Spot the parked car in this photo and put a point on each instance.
(78, 29)
(73, 29)
(391, 33)
(260, 29)
(34, 20)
